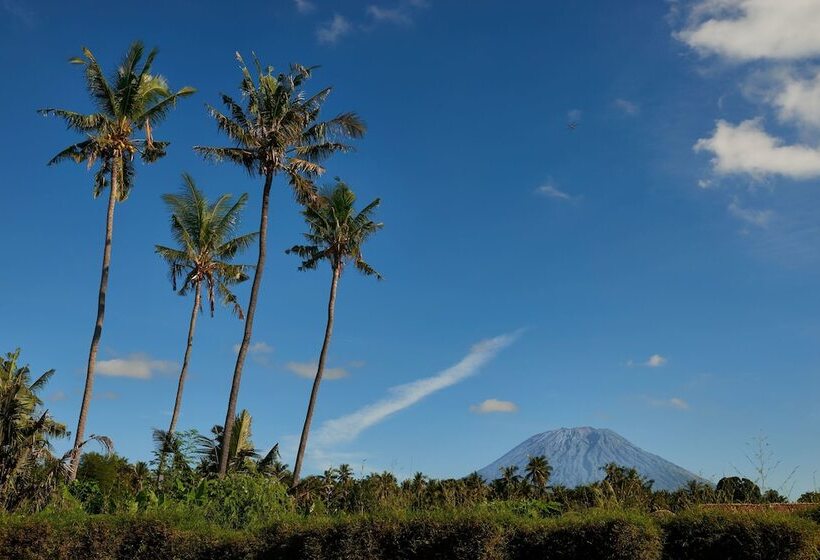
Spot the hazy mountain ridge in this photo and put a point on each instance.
(577, 455)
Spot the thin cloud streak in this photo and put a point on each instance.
(347, 428)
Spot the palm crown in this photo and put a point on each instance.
(278, 130)
(337, 231)
(204, 234)
(132, 99)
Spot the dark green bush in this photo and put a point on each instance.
(738, 536)
(594, 535)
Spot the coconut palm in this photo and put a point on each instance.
(241, 454)
(204, 233)
(336, 234)
(26, 432)
(132, 99)
(277, 132)
(538, 472)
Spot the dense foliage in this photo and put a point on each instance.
(594, 535)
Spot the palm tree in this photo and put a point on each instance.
(241, 452)
(538, 472)
(206, 245)
(132, 99)
(277, 132)
(25, 435)
(336, 235)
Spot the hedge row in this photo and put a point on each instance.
(612, 536)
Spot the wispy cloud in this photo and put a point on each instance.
(759, 218)
(626, 106)
(57, 396)
(308, 370)
(136, 366)
(653, 361)
(494, 405)
(20, 11)
(331, 31)
(676, 403)
(304, 6)
(347, 428)
(260, 352)
(389, 15)
(106, 396)
(549, 190)
(574, 115)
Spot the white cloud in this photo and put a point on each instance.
(255, 348)
(798, 100)
(759, 218)
(57, 396)
(754, 29)
(551, 191)
(308, 370)
(655, 360)
(348, 427)
(494, 405)
(107, 396)
(389, 15)
(627, 106)
(304, 6)
(331, 31)
(747, 148)
(137, 366)
(675, 402)
(20, 11)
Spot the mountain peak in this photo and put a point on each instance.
(578, 456)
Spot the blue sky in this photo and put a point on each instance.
(653, 271)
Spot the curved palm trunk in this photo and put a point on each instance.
(182, 376)
(95, 338)
(230, 415)
(331, 309)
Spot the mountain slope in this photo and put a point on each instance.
(577, 455)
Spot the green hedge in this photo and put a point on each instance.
(593, 535)
(739, 536)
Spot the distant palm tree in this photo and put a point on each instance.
(278, 131)
(509, 482)
(538, 472)
(132, 99)
(241, 453)
(336, 235)
(204, 233)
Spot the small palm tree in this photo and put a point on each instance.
(241, 454)
(277, 132)
(132, 100)
(538, 472)
(26, 432)
(204, 233)
(336, 235)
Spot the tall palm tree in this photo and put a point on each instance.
(336, 235)
(538, 472)
(277, 132)
(132, 99)
(204, 233)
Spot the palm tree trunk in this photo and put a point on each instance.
(95, 338)
(182, 375)
(230, 415)
(331, 310)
